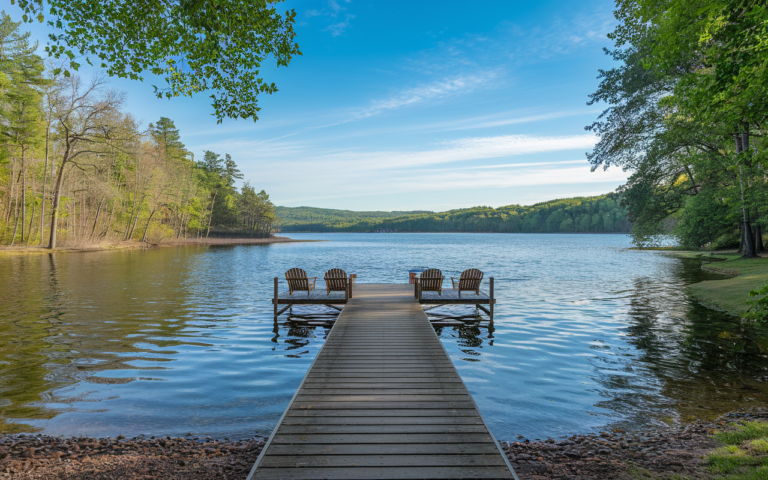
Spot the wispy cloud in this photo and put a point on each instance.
(504, 119)
(337, 29)
(333, 9)
(514, 44)
(455, 181)
(445, 87)
(328, 164)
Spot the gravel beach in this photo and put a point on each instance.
(605, 455)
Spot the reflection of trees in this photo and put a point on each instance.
(70, 316)
(690, 361)
(103, 318)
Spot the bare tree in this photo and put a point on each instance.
(81, 113)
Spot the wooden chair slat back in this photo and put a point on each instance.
(431, 280)
(336, 280)
(470, 280)
(297, 280)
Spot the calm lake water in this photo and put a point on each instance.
(178, 341)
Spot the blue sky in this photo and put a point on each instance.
(416, 105)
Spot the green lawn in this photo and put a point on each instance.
(730, 294)
(744, 455)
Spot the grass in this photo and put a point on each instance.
(744, 454)
(731, 294)
(7, 428)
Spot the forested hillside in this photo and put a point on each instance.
(294, 218)
(75, 168)
(602, 214)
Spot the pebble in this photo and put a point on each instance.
(679, 449)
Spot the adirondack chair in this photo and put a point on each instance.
(431, 280)
(336, 280)
(299, 282)
(468, 281)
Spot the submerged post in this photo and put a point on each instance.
(492, 300)
(274, 301)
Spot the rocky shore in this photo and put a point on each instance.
(41, 457)
(625, 455)
(605, 455)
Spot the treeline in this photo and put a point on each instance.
(687, 116)
(602, 214)
(76, 169)
(292, 218)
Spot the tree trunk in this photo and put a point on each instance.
(211, 215)
(136, 220)
(31, 221)
(45, 178)
(96, 219)
(55, 204)
(108, 220)
(16, 225)
(152, 214)
(133, 210)
(748, 241)
(11, 209)
(23, 193)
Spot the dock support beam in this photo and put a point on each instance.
(275, 299)
(492, 301)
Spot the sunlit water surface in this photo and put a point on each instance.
(177, 341)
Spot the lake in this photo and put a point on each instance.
(175, 341)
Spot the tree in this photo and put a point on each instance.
(212, 175)
(82, 120)
(196, 45)
(168, 139)
(704, 219)
(22, 100)
(684, 106)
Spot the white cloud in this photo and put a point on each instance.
(426, 181)
(445, 87)
(337, 29)
(335, 7)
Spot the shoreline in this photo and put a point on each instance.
(728, 294)
(643, 453)
(28, 249)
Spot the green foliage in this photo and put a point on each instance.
(196, 45)
(704, 219)
(686, 116)
(758, 304)
(602, 214)
(326, 219)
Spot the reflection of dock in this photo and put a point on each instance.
(382, 400)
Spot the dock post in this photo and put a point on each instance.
(275, 299)
(492, 301)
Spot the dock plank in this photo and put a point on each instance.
(382, 400)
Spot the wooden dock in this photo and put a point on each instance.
(382, 400)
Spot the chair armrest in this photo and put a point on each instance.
(453, 282)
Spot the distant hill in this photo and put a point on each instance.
(600, 214)
(303, 219)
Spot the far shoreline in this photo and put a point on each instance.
(30, 250)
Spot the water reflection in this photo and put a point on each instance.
(177, 341)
